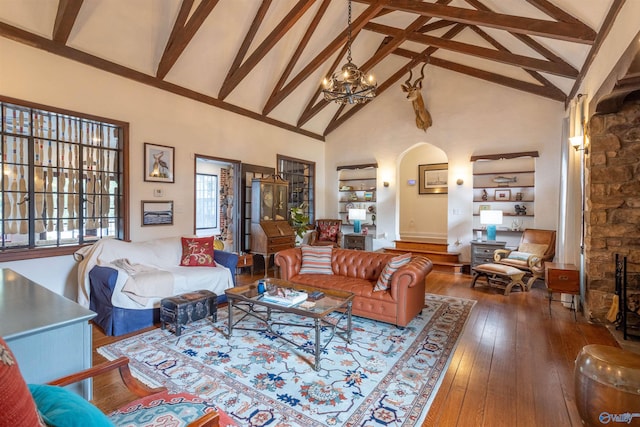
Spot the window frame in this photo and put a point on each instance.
(217, 201)
(122, 215)
(310, 208)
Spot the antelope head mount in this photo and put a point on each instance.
(423, 118)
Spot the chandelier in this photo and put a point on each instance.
(350, 85)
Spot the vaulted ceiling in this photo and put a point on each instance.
(265, 59)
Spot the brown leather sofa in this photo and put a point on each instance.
(357, 272)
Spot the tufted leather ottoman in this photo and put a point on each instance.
(182, 309)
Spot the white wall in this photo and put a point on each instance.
(470, 117)
(156, 117)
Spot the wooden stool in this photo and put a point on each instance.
(607, 386)
(500, 275)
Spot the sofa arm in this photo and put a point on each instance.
(227, 259)
(410, 275)
(498, 254)
(289, 261)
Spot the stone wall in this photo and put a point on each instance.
(613, 205)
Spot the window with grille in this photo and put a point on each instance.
(62, 178)
(206, 201)
(300, 174)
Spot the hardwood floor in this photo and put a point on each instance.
(513, 365)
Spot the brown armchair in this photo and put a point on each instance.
(328, 232)
(535, 248)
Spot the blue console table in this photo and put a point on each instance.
(49, 334)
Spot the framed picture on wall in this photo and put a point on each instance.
(433, 178)
(502, 195)
(158, 163)
(157, 213)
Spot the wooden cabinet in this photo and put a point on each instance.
(361, 242)
(482, 252)
(505, 182)
(270, 229)
(357, 187)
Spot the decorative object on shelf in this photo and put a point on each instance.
(504, 180)
(519, 196)
(520, 209)
(433, 178)
(349, 206)
(491, 219)
(368, 196)
(423, 118)
(357, 215)
(353, 196)
(371, 209)
(345, 188)
(158, 163)
(351, 85)
(484, 207)
(516, 225)
(502, 195)
(485, 195)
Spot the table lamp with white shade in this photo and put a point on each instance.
(491, 219)
(357, 215)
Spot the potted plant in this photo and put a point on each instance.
(299, 220)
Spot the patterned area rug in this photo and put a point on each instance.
(386, 376)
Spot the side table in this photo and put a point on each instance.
(562, 278)
(361, 242)
(482, 251)
(244, 261)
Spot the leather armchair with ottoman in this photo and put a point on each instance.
(394, 297)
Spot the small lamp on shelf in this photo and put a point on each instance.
(491, 219)
(357, 215)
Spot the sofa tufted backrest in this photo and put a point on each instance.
(360, 264)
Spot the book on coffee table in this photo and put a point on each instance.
(286, 297)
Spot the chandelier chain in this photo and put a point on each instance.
(349, 34)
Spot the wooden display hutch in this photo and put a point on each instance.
(270, 229)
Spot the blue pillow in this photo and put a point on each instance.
(60, 407)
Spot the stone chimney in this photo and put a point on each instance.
(613, 204)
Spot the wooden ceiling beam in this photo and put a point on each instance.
(415, 59)
(339, 41)
(226, 88)
(615, 8)
(301, 46)
(65, 19)
(545, 82)
(567, 31)
(382, 53)
(21, 36)
(183, 33)
(527, 40)
(555, 12)
(432, 26)
(265, 47)
(522, 61)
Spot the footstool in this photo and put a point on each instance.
(500, 275)
(183, 309)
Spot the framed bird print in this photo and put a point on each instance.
(158, 163)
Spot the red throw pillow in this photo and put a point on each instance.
(17, 408)
(328, 232)
(197, 252)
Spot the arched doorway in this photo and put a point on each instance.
(422, 216)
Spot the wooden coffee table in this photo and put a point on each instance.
(247, 300)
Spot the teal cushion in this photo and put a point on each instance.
(60, 407)
(520, 256)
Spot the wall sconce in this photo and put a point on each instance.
(386, 183)
(460, 181)
(577, 142)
